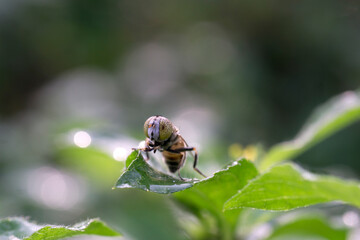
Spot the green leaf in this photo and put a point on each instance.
(131, 158)
(334, 115)
(21, 228)
(287, 187)
(308, 228)
(214, 191)
(141, 175)
(211, 193)
(93, 227)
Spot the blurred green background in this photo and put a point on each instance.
(79, 78)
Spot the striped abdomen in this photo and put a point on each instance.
(174, 161)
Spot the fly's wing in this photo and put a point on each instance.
(186, 145)
(181, 139)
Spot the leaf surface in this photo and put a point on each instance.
(214, 191)
(211, 194)
(287, 187)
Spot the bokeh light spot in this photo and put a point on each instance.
(54, 189)
(236, 150)
(120, 154)
(350, 219)
(82, 139)
(141, 144)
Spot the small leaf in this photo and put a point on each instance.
(23, 229)
(334, 115)
(141, 175)
(309, 227)
(287, 187)
(93, 227)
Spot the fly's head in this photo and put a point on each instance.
(158, 129)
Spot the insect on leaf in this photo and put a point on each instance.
(141, 175)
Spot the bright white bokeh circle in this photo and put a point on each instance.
(82, 139)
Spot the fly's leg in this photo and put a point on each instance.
(180, 176)
(178, 150)
(146, 149)
(147, 156)
(195, 162)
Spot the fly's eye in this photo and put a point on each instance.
(146, 126)
(165, 129)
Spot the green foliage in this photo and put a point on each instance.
(220, 202)
(214, 191)
(334, 115)
(287, 187)
(236, 83)
(211, 193)
(283, 187)
(21, 228)
(133, 155)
